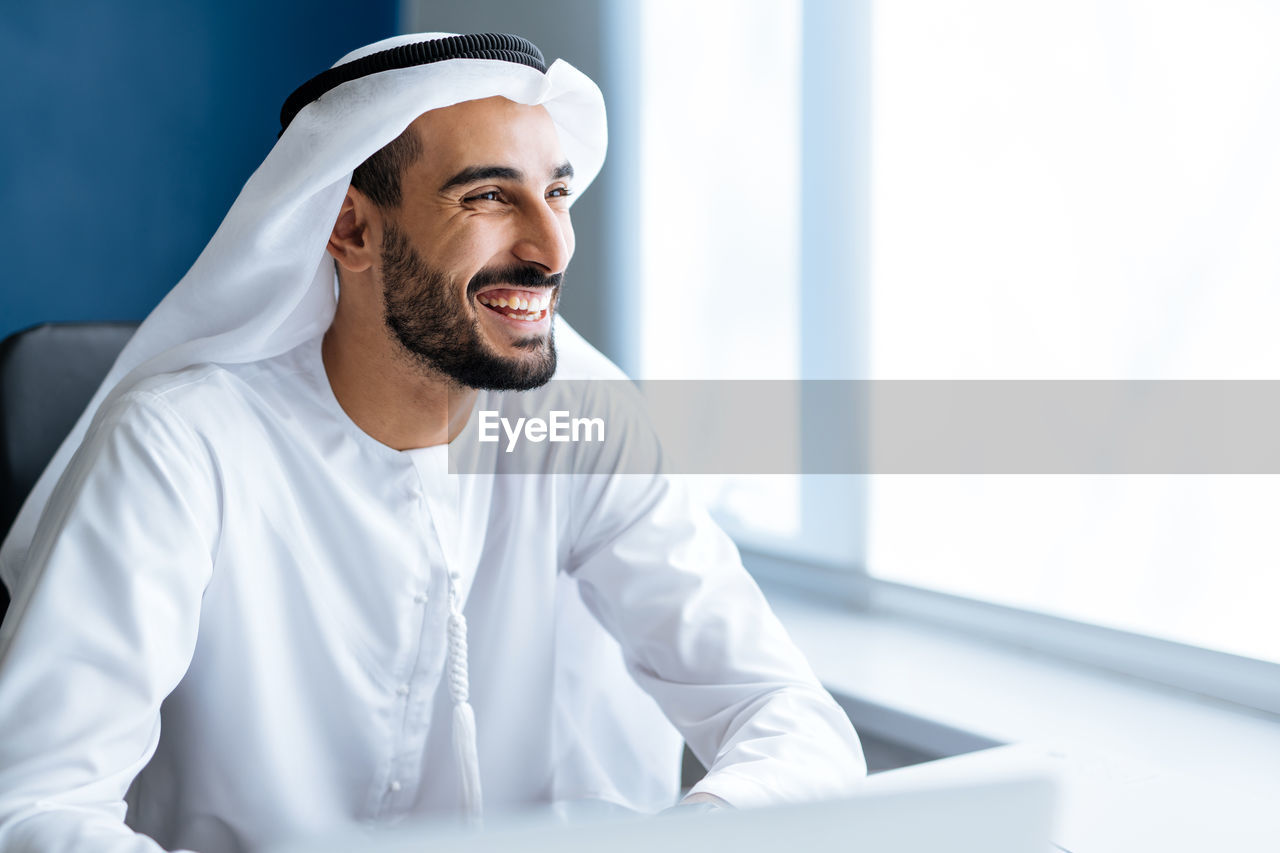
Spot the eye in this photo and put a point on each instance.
(487, 195)
(560, 192)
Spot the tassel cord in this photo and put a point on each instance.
(464, 719)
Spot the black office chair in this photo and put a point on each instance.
(47, 375)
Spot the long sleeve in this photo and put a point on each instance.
(102, 627)
(700, 638)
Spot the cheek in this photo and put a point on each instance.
(468, 250)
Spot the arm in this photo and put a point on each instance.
(700, 638)
(102, 627)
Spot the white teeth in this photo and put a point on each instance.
(531, 309)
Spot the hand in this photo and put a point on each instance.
(701, 801)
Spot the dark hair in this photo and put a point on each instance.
(379, 176)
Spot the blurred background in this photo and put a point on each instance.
(825, 189)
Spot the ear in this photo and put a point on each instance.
(353, 242)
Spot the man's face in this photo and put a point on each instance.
(472, 261)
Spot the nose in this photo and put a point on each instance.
(546, 238)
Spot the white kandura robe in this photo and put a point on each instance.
(233, 576)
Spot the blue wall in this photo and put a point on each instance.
(128, 130)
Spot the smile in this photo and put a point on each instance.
(524, 305)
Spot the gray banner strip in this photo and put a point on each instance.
(877, 427)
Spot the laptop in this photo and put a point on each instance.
(1004, 812)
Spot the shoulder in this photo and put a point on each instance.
(208, 399)
(163, 427)
(175, 399)
(160, 412)
(180, 389)
(577, 359)
(588, 382)
(188, 423)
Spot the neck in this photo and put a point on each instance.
(385, 392)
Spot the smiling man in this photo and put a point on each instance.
(485, 197)
(250, 600)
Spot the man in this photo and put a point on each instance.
(241, 609)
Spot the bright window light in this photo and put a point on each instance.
(1081, 190)
(719, 199)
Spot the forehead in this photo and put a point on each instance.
(492, 131)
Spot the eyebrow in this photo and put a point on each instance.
(472, 174)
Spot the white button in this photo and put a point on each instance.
(403, 690)
(394, 786)
(420, 598)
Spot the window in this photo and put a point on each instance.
(1049, 190)
(1069, 190)
(719, 217)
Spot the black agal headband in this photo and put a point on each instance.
(500, 46)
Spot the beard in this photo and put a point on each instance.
(424, 313)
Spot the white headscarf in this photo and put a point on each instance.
(264, 284)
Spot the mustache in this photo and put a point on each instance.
(516, 276)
